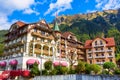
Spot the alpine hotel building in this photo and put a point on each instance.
(100, 50)
(26, 44)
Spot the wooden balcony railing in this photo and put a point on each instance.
(42, 36)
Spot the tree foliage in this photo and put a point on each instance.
(93, 67)
(35, 70)
(108, 65)
(80, 67)
(48, 65)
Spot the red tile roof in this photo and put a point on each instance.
(20, 24)
(109, 42)
(66, 34)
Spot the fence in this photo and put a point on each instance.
(78, 77)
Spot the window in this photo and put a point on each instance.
(95, 42)
(96, 54)
(29, 66)
(42, 40)
(110, 54)
(34, 38)
(90, 61)
(35, 30)
(102, 54)
(109, 48)
(96, 49)
(103, 60)
(110, 60)
(13, 67)
(97, 60)
(2, 67)
(89, 55)
(101, 42)
(89, 50)
(42, 32)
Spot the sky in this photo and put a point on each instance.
(30, 11)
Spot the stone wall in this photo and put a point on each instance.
(78, 77)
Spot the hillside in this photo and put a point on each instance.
(88, 26)
(2, 37)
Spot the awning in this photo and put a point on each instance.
(3, 63)
(62, 63)
(13, 62)
(32, 61)
(56, 63)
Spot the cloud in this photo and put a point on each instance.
(7, 7)
(42, 2)
(91, 11)
(59, 6)
(4, 24)
(107, 4)
(30, 11)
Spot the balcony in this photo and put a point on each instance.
(90, 57)
(110, 50)
(99, 56)
(99, 45)
(80, 57)
(97, 51)
(37, 51)
(46, 52)
(110, 56)
(89, 52)
(62, 49)
(80, 52)
(42, 36)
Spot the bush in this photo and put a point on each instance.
(108, 65)
(34, 70)
(53, 72)
(45, 72)
(64, 70)
(105, 71)
(48, 65)
(92, 67)
(72, 71)
(80, 67)
(95, 68)
(61, 69)
(117, 71)
(88, 68)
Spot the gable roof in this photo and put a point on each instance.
(109, 42)
(66, 34)
(20, 23)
